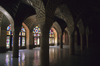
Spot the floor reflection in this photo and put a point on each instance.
(21, 60)
(57, 57)
(31, 57)
(36, 60)
(14, 61)
(8, 60)
(51, 54)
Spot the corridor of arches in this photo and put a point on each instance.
(53, 37)
(48, 31)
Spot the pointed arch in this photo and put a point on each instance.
(8, 16)
(55, 36)
(27, 35)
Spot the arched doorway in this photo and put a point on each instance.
(22, 38)
(52, 37)
(65, 38)
(37, 35)
(9, 38)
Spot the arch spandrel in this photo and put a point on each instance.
(1, 17)
(66, 16)
(5, 22)
(8, 16)
(39, 7)
(31, 22)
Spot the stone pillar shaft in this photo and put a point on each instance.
(30, 40)
(87, 41)
(16, 42)
(66, 37)
(44, 51)
(71, 44)
(61, 44)
(82, 42)
(3, 35)
(57, 39)
(78, 38)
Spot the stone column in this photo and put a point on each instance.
(71, 44)
(78, 38)
(82, 33)
(82, 36)
(3, 35)
(87, 37)
(91, 39)
(87, 40)
(44, 51)
(31, 40)
(61, 43)
(66, 37)
(57, 39)
(16, 42)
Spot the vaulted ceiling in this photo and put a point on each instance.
(88, 11)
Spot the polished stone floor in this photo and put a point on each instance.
(57, 57)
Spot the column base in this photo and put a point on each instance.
(31, 46)
(3, 50)
(57, 44)
(61, 46)
(15, 56)
(82, 48)
(71, 53)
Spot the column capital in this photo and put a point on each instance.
(71, 30)
(17, 28)
(71, 44)
(87, 31)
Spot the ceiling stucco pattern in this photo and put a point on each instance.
(1, 16)
(40, 9)
(4, 23)
(63, 13)
(59, 8)
(30, 22)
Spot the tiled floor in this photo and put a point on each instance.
(57, 57)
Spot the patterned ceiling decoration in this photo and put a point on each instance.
(51, 6)
(5, 22)
(40, 9)
(64, 13)
(30, 21)
(1, 16)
